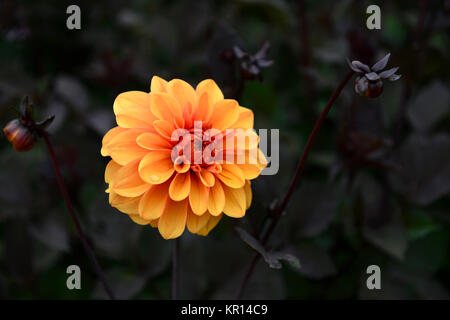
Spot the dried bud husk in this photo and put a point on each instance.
(20, 136)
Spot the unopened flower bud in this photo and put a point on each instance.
(20, 136)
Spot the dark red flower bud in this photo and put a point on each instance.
(375, 88)
(20, 136)
(368, 88)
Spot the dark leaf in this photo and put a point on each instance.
(312, 209)
(429, 106)
(390, 237)
(316, 263)
(425, 173)
(51, 232)
(271, 257)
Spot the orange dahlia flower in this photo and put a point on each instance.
(153, 177)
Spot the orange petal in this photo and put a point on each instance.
(128, 182)
(132, 110)
(242, 139)
(139, 220)
(194, 222)
(123, 147)
(164, 128)
(180, 186)
(182, 91)
(245, 119)
(166, 107)
(156, 167)
(231, 175)
(111, 170)
(153, 141)
(198, 197)
(173, 220)
(210, 87)
(225, 113)
(206, 177)
(153, 202)
(158, 85)
(216, 201)
(251, 171)
(235, 203)
(181, 164)
(111, 134)
(154, 223)
(204, 109)
(248, 194)
(212, 222)
(128, 205)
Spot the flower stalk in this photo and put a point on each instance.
(175, 268)
(75, 219)
(301, 164)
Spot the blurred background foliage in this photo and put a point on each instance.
(375, 190)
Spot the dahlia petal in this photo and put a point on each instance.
(154, 223)
(235, 203)
(231, 175)
(153, 202)
(111, 170)
(262, 160)
(194, 222)
(210, 87)
(198, 197)
(128, 183)
(156, 167)
(158, 85)
(123, 147)
(182, 91)
(251, 171)
(241, 139)
(127, 205)
(245, 119)
(248, 194)
(139, 220)
(210, 224)
(204, 109)
(225, 113)
(166, 107)
(216, 201)
(206, 177)
(180, 186)
(181, 164)
(111, 134)
(164, 128)
(153, 141)
(132, 110)
(173, 220)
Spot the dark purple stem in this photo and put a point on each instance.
(175, 268)
(280, 209)
(74, 216)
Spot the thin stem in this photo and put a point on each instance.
(280, 209)
(74, 216)
(175, 268)
(306, 53)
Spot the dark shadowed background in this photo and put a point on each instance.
(375, 189)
